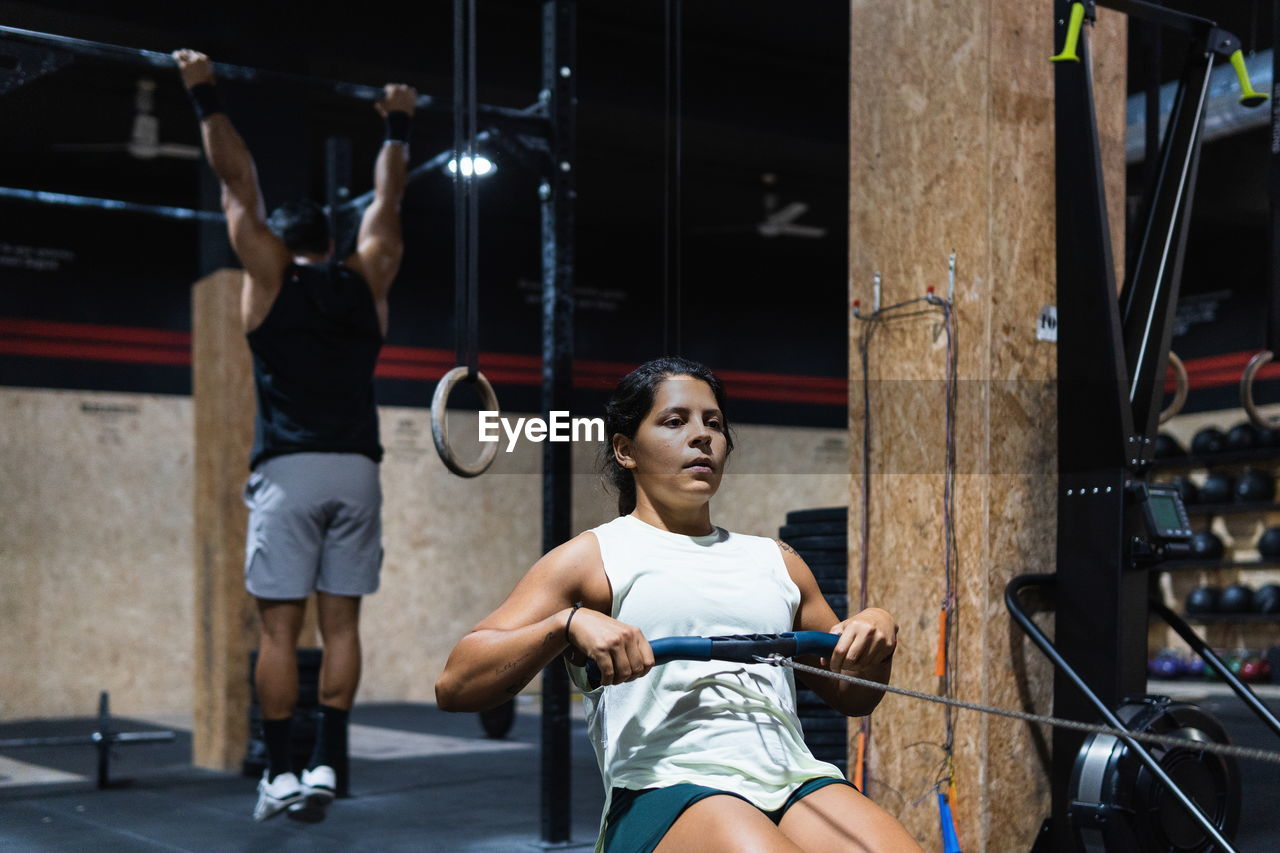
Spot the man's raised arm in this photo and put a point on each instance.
(380, 244)
(263, 253)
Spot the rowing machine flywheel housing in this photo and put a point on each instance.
(1118, 805)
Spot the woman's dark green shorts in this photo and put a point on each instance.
(638, 819)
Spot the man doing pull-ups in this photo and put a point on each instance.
(315, 325)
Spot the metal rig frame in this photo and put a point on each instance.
(542, 136)
(1112, 356)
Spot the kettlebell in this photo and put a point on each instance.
(1267, 599)
(1236, 598)
(1186, 489)
(1254, 670)
(1167, 447)
(1269, 542)
(1242, 437)
(1202, 599)
(1217, 489)
(1206, 545)
(1255, 486)
(1208, 442)
(1164, 665)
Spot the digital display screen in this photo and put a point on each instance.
(1164, 510)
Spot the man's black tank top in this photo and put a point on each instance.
(313, 361)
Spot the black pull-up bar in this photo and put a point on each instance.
(227, 71)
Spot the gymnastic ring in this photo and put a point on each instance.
(440, 428)
(1246, 390)
(1180, 390)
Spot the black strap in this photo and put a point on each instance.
(466, 201)
(204, 97)
(673, 179)
(399, 125)
(574, 655)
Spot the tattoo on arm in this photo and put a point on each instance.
(512, 664)
(784, 546)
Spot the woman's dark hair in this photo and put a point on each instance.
(632, 400)
(302, 225)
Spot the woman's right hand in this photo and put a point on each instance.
(620, 650)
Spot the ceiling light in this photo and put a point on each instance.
(482, 166)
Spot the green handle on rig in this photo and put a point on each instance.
(1248, 96)
(1073, 36)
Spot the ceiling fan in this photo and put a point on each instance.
(777, 222)
(144, 141)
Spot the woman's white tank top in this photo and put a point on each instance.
(725, 725)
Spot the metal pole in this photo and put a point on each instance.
(337, 187)
(1273, 184)
(1200, 647)
(227, 71)
(1037, 636)
(557, 193)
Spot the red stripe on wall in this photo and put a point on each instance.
(137, 345)
(93, 332)
(96, 352)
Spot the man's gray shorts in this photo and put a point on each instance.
(315, 522)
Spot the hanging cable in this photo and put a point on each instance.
(465, 202)
(1170, 741)
(947, 667)
(466, 255)
(673, 178)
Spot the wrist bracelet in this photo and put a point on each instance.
(398, 127)
(204, 97)
(569, 622)
(572, 654)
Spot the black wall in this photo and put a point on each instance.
(763, 95)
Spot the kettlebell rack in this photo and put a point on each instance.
(1112, 356)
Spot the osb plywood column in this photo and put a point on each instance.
(225, 622)
(951, 147)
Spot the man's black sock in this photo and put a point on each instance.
(279, 747)
(331, 738)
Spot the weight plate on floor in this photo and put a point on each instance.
(803, 516)
(837, 722)
(834, 586)
(818, 543)
(813, 528)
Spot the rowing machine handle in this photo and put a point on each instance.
(743, 648)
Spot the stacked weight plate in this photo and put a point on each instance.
(302, 728)
(820, 536)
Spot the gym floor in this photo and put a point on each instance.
(421, 780)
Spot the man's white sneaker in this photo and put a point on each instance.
(318, 786)
(276, 795)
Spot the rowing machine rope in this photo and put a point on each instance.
(1091, 728)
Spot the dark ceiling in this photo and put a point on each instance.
(766, 93)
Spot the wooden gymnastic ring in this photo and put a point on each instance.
(440, 428)
(1246, 390)
(1180, 391)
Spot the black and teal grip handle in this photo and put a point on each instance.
(742, 648)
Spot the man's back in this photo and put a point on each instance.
(313, 360)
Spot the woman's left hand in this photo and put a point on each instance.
(867, 643)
